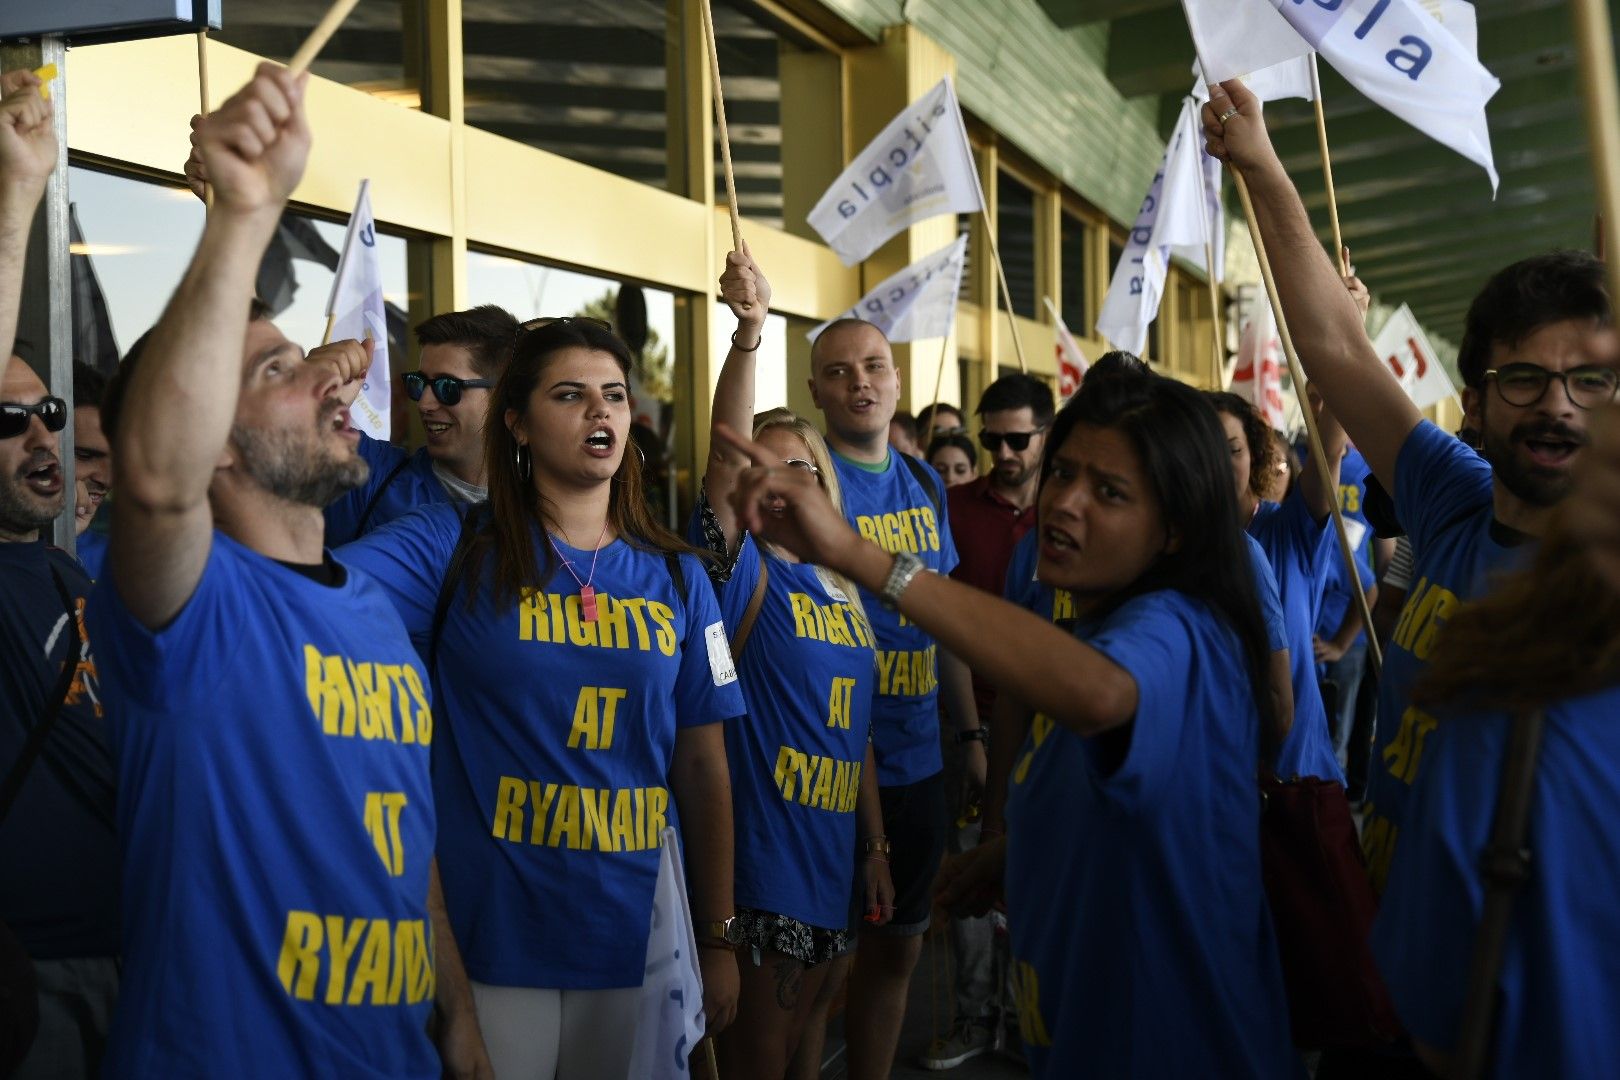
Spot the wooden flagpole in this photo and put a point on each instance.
(720, 123)
(1006, 293)
(939, 376)
(1209, 259)
(202, 94)
(1327, 176)
(1312, 432)
(1594, 51)
(318, 37)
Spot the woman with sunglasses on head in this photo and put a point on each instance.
(463, 354)
(802, 766)
(1141, 938)
(582, 677)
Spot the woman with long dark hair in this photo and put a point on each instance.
(803, 772)
(583, 676)
(1296, 536)
(1546, 640)
(1142, 941)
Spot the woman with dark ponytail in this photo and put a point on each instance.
(583, 676)
(1141, 938)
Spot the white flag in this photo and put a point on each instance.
(1288, 79)
(357, 308)
(1258, 374)
(919, 166)
(1406, 351)
(1071, 361)
(1170, 217)
(670, 1021)
(1402, 58)
(918, 302)
(1237, 37)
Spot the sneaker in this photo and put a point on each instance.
(1012, 1046)
(967, 1040)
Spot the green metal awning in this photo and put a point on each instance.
(1419, 218)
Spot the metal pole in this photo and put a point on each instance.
(46, 318)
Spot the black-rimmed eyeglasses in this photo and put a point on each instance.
(1526, 384)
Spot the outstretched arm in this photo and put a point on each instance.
(1327, 329)
(255, 147)
(748, 295)
(1059, 675)
(27, 156)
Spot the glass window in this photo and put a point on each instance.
(378, 49)
(1072, 241)
(584, 80)
(1015, 237)
(139, 237)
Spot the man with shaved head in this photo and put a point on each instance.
(59, 886)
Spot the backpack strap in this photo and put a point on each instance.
(677, 574)
(740, 639)
(41, 730)
(1504, 866)
(927, 477)
(376, 496)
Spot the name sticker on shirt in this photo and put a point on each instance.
(721, 665)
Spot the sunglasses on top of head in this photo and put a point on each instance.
(547, 320)
(14, 418)
(447, 388)
(1018, 441)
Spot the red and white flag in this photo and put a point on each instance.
(1405, 350)
(1258, 374)
(1071, 362)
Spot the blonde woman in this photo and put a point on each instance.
(802, 772)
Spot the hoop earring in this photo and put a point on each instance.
(523, 460)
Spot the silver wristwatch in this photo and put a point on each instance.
(906, 566)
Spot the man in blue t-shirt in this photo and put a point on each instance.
(463, 355)
(898, 503)
(58, 851)
(1534, 360)
(271, 723)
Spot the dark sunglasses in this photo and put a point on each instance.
(1525, 384)
(1017, 440)
(447, 388)
(52, 411)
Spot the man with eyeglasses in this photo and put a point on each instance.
(463, 355)
(1536, 357)
(58, 850)
(989, 516)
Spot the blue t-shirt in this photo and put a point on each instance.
(894, 511)
(1298, 548)
(552, 773)
(398, 483)
(1559, 988)
(276, 816)
(1443, 497)
(807, 671)
(91, 551)
(58, 847)
(1142, 943)
(1336, 594)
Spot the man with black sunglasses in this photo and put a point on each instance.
(58, 851)
(1536, 357)
(463, 355)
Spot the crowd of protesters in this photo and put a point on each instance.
(335, 759)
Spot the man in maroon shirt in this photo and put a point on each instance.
(988, 517)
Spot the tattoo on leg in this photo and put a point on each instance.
(789, 979)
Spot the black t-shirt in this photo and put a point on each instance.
(58, 848)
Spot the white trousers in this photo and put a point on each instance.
(557, 1034)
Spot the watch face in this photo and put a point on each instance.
(733, 931)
